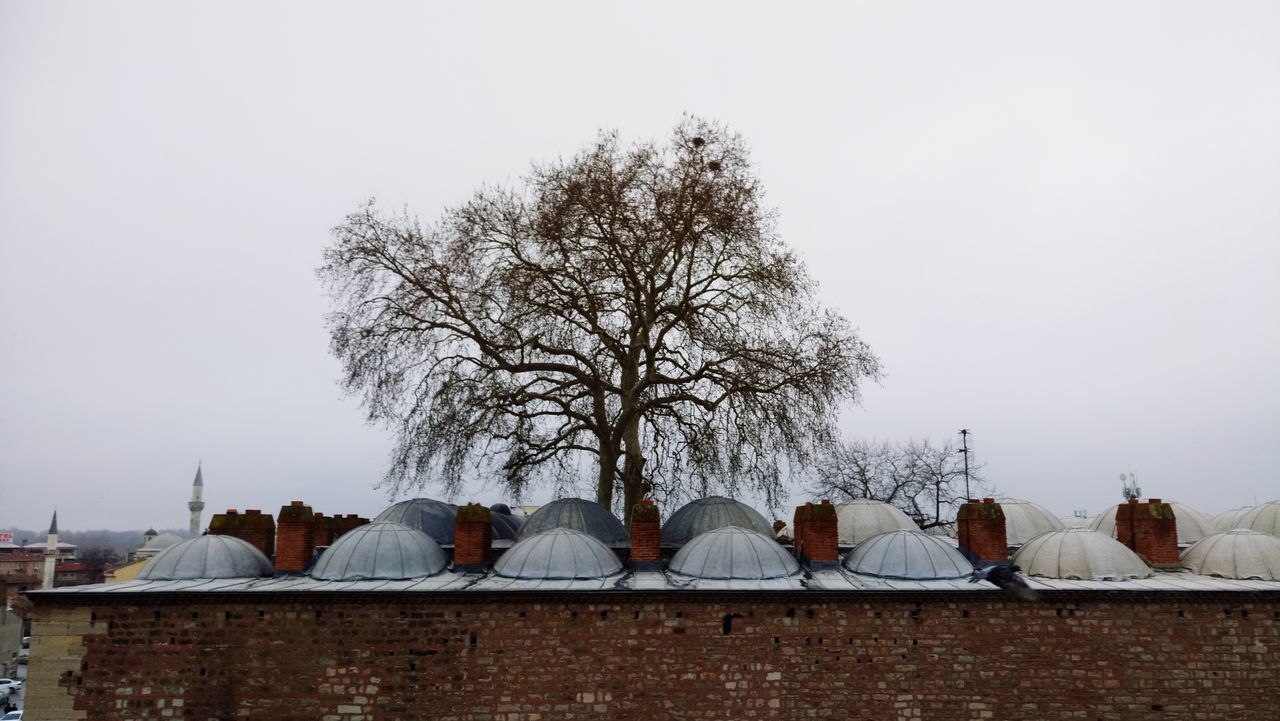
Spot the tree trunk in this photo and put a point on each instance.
(608, 476)
(633, 485)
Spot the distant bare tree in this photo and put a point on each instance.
(922, 480)
(632, 306)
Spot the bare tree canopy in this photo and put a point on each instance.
(924, 481)
(632, 306)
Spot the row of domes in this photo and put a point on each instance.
(549, 549)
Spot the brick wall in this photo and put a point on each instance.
(521, 657)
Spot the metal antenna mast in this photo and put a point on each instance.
(964, 448)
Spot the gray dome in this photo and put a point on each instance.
(558, 553)
(432, 517)
(505, 524)
(1228, 520)
(381, 550)
(1192, 524)
(579, 514)
(1024, 520)
(162, 541)
(1080, 554)
(1265, 518)
(708, 514)
(863, 518)
(1239, 553)
(907, 554)
(733, 552)
(207, 557)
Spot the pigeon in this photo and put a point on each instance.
(1005, 576)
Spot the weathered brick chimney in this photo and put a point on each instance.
(295, 539)
(253, 526)
(817, 534)
(472, 538)
(646, 536)
(1150, 529)
(981, 529)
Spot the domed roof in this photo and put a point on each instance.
(558, 553)
(1080, 554)
(505, 523)
(1239, 553)
(579, 514)
(380, 550)
(1192, 524)
(1228, 520)
(733, 552)
(207, 557)
(863, 518)
(162, 541)
(907, 554)
(1024, 520)
(708, 514)
(432, 517)
(1265, 518)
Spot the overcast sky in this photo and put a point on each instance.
(1057, 225)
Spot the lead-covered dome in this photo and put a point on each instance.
(1239, 553)
(1264, 518)
(380, 550)
(579, 514)
(558, 553)
(1192, 525)
(733, 552)
(1228, 520)
(1079, 554)
(506, 525)
(432, 517)
(707, 514)
(207, 557)
(1024, 520)
(863, 518)
(907, 554)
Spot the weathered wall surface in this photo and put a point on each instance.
(520, 658)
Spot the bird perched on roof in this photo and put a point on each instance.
(1005, 576)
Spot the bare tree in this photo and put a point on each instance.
(632, 306)
(922, 480)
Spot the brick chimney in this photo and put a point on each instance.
(816, 534)
(646, 536)
(295, 538)
(981, 529)
(253, 526)
(342, 524)
(472, 538)
(1150, 529)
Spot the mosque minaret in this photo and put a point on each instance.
(197, 502)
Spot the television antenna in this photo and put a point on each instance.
(1129, 486)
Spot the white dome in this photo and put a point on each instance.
(1265, 518)
(733, 552)
(1080, 554)
(579, 514)
(207, 557)
(1192, 524)
(863, 518)
(558, 553)
(1238, 553)
(907, 554)
(1024, 520)
(1228, 520)
(707, 514)
(380, 550)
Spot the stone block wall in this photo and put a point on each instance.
(521, 657)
